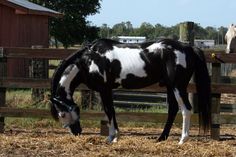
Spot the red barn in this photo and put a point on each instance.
(23, 24)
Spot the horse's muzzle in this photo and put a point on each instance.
(75, 128)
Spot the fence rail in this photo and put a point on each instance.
(58, 54)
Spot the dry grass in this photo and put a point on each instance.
(134, 142)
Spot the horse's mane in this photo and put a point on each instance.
(176, 44)
(61, 67)
(103, 45)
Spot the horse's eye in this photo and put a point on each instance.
(62, 114)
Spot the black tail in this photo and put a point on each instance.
(203, 85)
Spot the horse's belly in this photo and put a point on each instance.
(133, 82)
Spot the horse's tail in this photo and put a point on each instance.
(203, 85)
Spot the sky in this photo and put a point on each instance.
(213, 13)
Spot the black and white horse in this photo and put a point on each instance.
(106, 64)
(230, 38)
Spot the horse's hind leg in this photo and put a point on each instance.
(184, 104)
(172, 111)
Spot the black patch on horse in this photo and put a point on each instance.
(101, 46)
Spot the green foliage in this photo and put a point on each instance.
(158, 31)
(104, 31)
(123, 28)
(146, 29)
(73, 27)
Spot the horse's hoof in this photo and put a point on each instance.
(183, 140)
(112, 139)
(161, 138)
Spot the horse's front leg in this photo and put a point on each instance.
(107, 100)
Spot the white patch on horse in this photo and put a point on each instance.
(93, 67)
(186, 114)
(180, 58)
(74, 115)
(156, 46)
(67, 78)
(67, 118)
(130, 60)
(169, 47)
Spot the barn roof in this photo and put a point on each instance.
(26, 7)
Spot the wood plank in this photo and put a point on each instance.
(223, 88)
(63, 53)
(20, 112)
(37, 53)
(121, 116)
(24, 83)
(228, 118)
(220, 56)
(45, 83)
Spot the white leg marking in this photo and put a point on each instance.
(113, 133)
(186, 117)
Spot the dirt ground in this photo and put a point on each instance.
(134, 142)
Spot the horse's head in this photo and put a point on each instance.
(68, 113)
(230, 38)
(64, 81)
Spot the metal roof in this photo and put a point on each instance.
(31, 7)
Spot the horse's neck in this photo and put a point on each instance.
(64, 93)
(66, 86)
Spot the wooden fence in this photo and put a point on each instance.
(57, 54)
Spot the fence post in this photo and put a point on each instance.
(186, 35)
(215, 127)
(3, 73)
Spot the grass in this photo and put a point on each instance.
(22, 99)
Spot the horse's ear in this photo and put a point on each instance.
(231, 25)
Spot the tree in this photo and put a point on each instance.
(72, 27)
(211, 32)
(129, 28)
(222, 31)
(104, 31)
(119, 29)
(146, 29)
(123, 28)
(199, 32)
